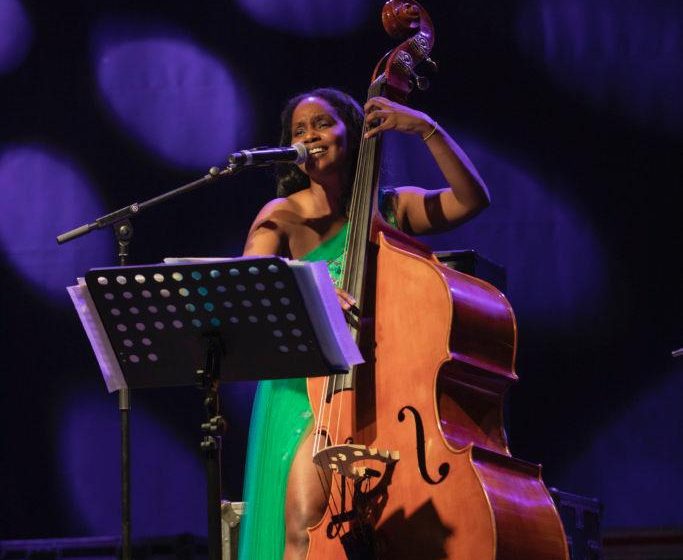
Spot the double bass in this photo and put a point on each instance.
(412, 444)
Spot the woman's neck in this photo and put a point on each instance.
(327, 197)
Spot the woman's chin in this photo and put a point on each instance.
(320, 170)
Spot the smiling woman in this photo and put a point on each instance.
(309, 221)
(316, 118)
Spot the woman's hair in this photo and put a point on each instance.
(290, 178)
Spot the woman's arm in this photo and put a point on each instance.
(266, 236)
(420, 211)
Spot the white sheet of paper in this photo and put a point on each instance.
(85, 307)
(321, 302)
(319, 296)
(326, 314)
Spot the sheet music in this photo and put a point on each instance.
(106, 358)
(320, 298)
(326, 313)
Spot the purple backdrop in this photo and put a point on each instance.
(569, 108)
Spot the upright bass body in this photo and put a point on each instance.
(432, 394)
(412, 445)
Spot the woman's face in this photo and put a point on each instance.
(316, 124)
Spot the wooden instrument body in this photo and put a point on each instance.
(444, 350)
(440, 352)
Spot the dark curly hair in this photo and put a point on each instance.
(290, 178)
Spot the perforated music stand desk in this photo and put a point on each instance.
(158, 319)
(171, 324)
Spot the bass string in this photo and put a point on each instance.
(319, 421)
(355, 250)
(360, 206)
(353, 257)
(368, 197)
(330, 407)
(359, 235)
(327, 485)
(332, 505)
(356, 243)
(321, 433)
(359, 214)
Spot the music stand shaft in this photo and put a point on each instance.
(123, 231)
(213, 428)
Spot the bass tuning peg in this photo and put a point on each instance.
(421, 82)
(433, 66)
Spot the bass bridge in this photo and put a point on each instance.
(346, 460)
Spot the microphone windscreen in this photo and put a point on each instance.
(301, 151)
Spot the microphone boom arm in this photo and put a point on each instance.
(133, 209)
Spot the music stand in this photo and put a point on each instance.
(185, 324)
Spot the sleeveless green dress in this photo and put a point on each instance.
(281, 417)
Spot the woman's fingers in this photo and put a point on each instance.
(376, 103)
(376, 114)
(377, 121)
(382, 114)
(346, 300)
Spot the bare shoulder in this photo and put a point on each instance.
(279, 212)
(270, 229)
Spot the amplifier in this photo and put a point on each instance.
(581, 519)
(472, 263)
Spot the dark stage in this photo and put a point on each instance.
(571, 110)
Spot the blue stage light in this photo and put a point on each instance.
(175, 98)
(553, 255)
(44, 193)
(167, 476)
(620, 56)
(323, 18)
(15, 35)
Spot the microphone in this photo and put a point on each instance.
(263, 156)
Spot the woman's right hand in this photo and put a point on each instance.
(346, 300)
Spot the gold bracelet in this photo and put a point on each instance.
(430, 133)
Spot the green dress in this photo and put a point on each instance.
(281, 417)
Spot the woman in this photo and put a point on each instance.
(308, 221)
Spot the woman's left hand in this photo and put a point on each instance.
(394, 116)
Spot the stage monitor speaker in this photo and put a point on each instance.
(581, 519)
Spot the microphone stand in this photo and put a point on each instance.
(133, 209)
(123, 231)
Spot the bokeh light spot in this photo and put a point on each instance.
(166, 475)
(43, 194)
(653, 477)
(555, 263)
(15, 35)
(619, 56)
(172, 96)
(323, 18)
